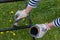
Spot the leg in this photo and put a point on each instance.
(55, 23)
(39, 30)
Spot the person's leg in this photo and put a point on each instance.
(55, 23)
(38, 30)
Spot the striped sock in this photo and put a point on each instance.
(57, 22)
(33, 3)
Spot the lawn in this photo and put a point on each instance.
(46, 11)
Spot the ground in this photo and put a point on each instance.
(45, 12)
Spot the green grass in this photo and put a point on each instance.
(46, 11)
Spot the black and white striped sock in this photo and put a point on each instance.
(57, 22)
(33, 3)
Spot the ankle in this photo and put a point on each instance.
(50, 25)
